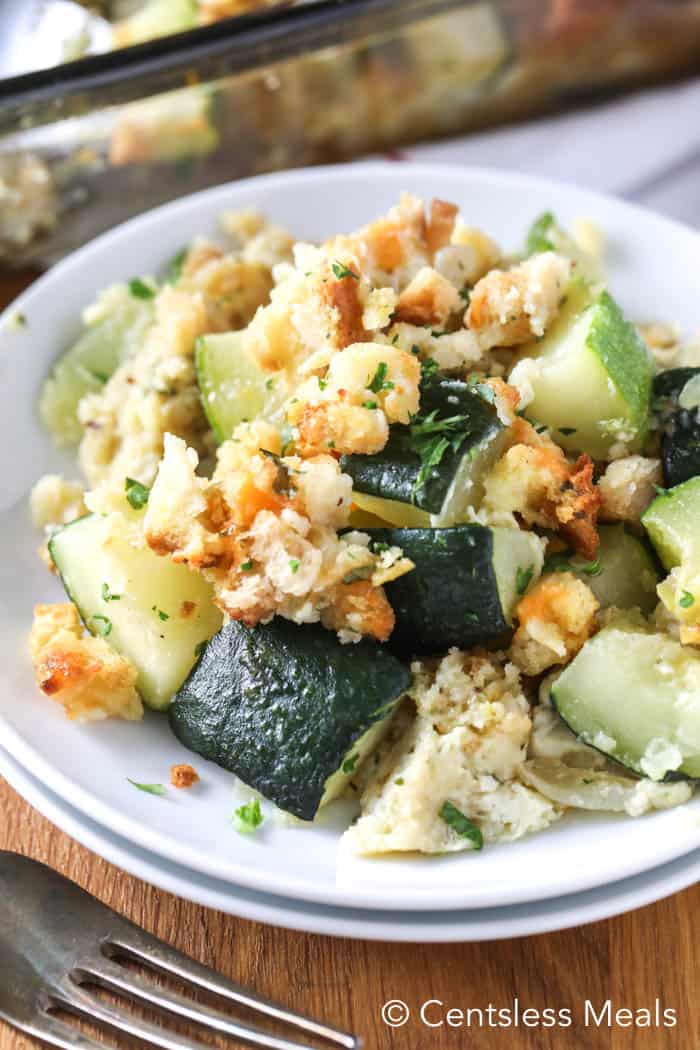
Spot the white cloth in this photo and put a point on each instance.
(645, 147)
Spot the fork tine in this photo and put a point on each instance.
(78, 1001)
(117, 979)
(151, 952)
(57, 1033)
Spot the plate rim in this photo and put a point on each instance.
(327, 920)
(215, 198)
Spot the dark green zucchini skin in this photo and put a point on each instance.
(451, 597)
(680, 427)
(280, 705)
(393, 472)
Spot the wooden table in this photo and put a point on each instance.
(632, 960)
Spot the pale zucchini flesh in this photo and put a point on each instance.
(163, 612)
(635, 696)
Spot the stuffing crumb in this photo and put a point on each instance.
(465, 746)
(55, 501)
(555, 618)
(81, 672)
(512, 307)
(183, 776)
(627, 488)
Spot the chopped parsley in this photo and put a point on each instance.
(379, 547)
(294, 564)
(341, 270)
(349, 765)
(370, 404)
(269, 383)
(379, 380)
(149, 789)
(523, 578)
(246, 566)
(460, 824)
(399, 781)
(430, 438)
(466, 295)
(566, 430)
(107, 595)
(686, 600)
(248, 817)
(136, 493)
(174, 270)
(330, 444)
(563, 561)
(199, 648)
(428, 367)
(140, 290)
(322, 383)
(537, 238)
(161, 615)
(103, 624)
(591, 568)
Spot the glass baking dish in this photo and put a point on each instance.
(86, 144)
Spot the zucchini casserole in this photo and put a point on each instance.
(400, 516)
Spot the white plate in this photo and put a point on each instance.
(653, 268)
(485, 924)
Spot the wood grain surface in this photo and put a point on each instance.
(633, 960)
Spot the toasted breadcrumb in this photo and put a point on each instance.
(183, 776)
(82, 673)
(555, 618)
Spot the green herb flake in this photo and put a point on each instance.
(466, 295)
(428, 368)
(248, 817)
(566, 431)
(537, 238)
(294, 564)
(379, 380)
(372, 405)
(107, 595)
(341, 271)
(523, 578)
(686, 600)
(159, 612)
(350, 764)
(149, 789)
(399, 781)
(246, 566)
(461, 825)
(174, 268)
(322, 383)
(330, 444)
(136, 493)
(269, 383)
(558, 562)
(103, 624)
(430, 438)
(380, 548)
(140, 290)
(591, 568)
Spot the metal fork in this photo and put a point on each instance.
(55, 939)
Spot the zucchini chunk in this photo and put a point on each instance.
(677, 401)
(88, 364)
(590, 375)
(621, 695)
(672, 522)
(152, 611)
(624, 572)
(432, 470)
(464, 588)
(233, 386)
(288, 708)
